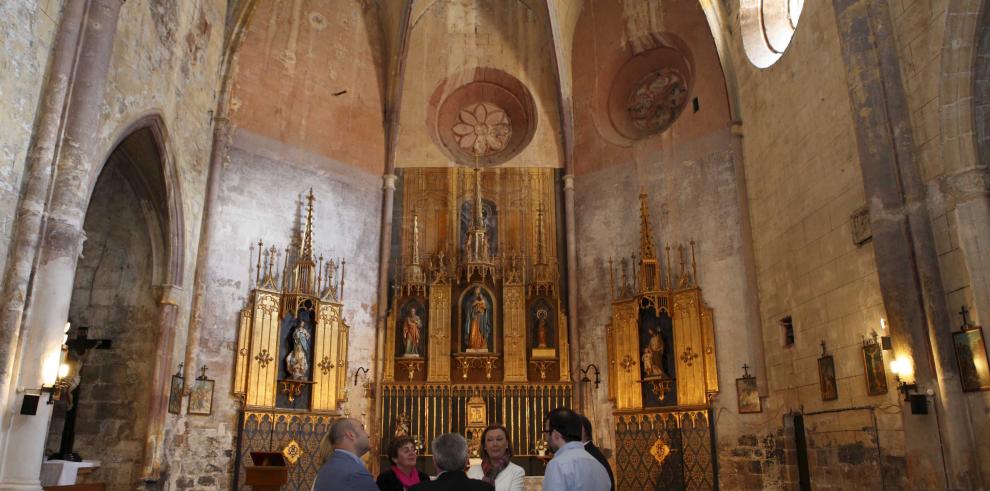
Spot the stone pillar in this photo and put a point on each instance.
(221, 136)
(939, 447)
(61, 244)
(28, 223)
(574, 348)
(388, 201)
(168, 309)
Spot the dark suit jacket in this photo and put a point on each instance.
(597, 454)
(453, 481)
(388, 481)
(342, 472)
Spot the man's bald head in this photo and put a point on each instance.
(348, 434)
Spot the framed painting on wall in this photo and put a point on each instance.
(175, 393)
(201, 397)
(876, 373)
(971, 354)
(747, 395)
(826, 378)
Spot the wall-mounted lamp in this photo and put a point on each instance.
(54, 375)
(598, 377)
(903, 372)
(357, 371)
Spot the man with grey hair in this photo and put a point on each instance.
(344, 469)
(450, 455)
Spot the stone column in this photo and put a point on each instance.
(40, 161)
(61, 243)
(574, 348)
(939, 447)
(221, 137)
(168, 309)
(388, 201)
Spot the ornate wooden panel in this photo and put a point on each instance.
(255, 433)
(688, 346)
(438, 362)
(671, 450)
(515, 333)
(243, 353)
(433, 409)
(708, 337)
(263, 370)
(326, 358)
(625, 341)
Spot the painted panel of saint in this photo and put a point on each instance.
(411, 330)
(971, 353)
(477, 315)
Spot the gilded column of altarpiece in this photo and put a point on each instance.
(662, 368)
(476, 302)
(291, 359)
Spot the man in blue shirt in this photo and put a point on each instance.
(344, 469)
(572, 467)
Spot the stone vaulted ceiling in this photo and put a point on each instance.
(380, 84)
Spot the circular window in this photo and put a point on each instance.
(767, 28)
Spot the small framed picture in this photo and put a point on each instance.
(748, 396)
(971, 354)
(175, 394)
(876, 373)
(201, 397)
(826, 378)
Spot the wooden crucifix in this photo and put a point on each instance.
(79, 349)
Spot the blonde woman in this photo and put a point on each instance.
(496, 466)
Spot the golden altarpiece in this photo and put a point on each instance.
(290, 362)
(476, 330)
(662, 370)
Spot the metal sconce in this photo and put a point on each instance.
(901, 367)
(584, 372)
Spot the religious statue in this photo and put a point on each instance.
(297, 361)
(653, 355)
(401, 426)
(478, 323)
(541, 328)
(411, 329)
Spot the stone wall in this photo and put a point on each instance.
(804, 181)
(262, 192)
(113, 296)
(27, 29)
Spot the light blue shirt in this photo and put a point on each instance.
(574, 469)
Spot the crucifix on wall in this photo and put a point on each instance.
(79, 349)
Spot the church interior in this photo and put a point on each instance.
(748, 239)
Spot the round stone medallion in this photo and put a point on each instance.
(649, 92)
(482, 129)
(488, 119)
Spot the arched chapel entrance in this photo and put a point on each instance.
(116, 317)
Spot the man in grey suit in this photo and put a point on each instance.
(344, 469)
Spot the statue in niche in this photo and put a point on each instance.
(297, 361)
(653, 356)
(478, 328)
(401, 426)
(541, 328)
(411, 329)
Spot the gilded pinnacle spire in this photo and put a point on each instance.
(307, 250)
(478, 217)
(646, 248)
(539, 234)
(415, 239)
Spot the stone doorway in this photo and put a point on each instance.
(125, 261)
